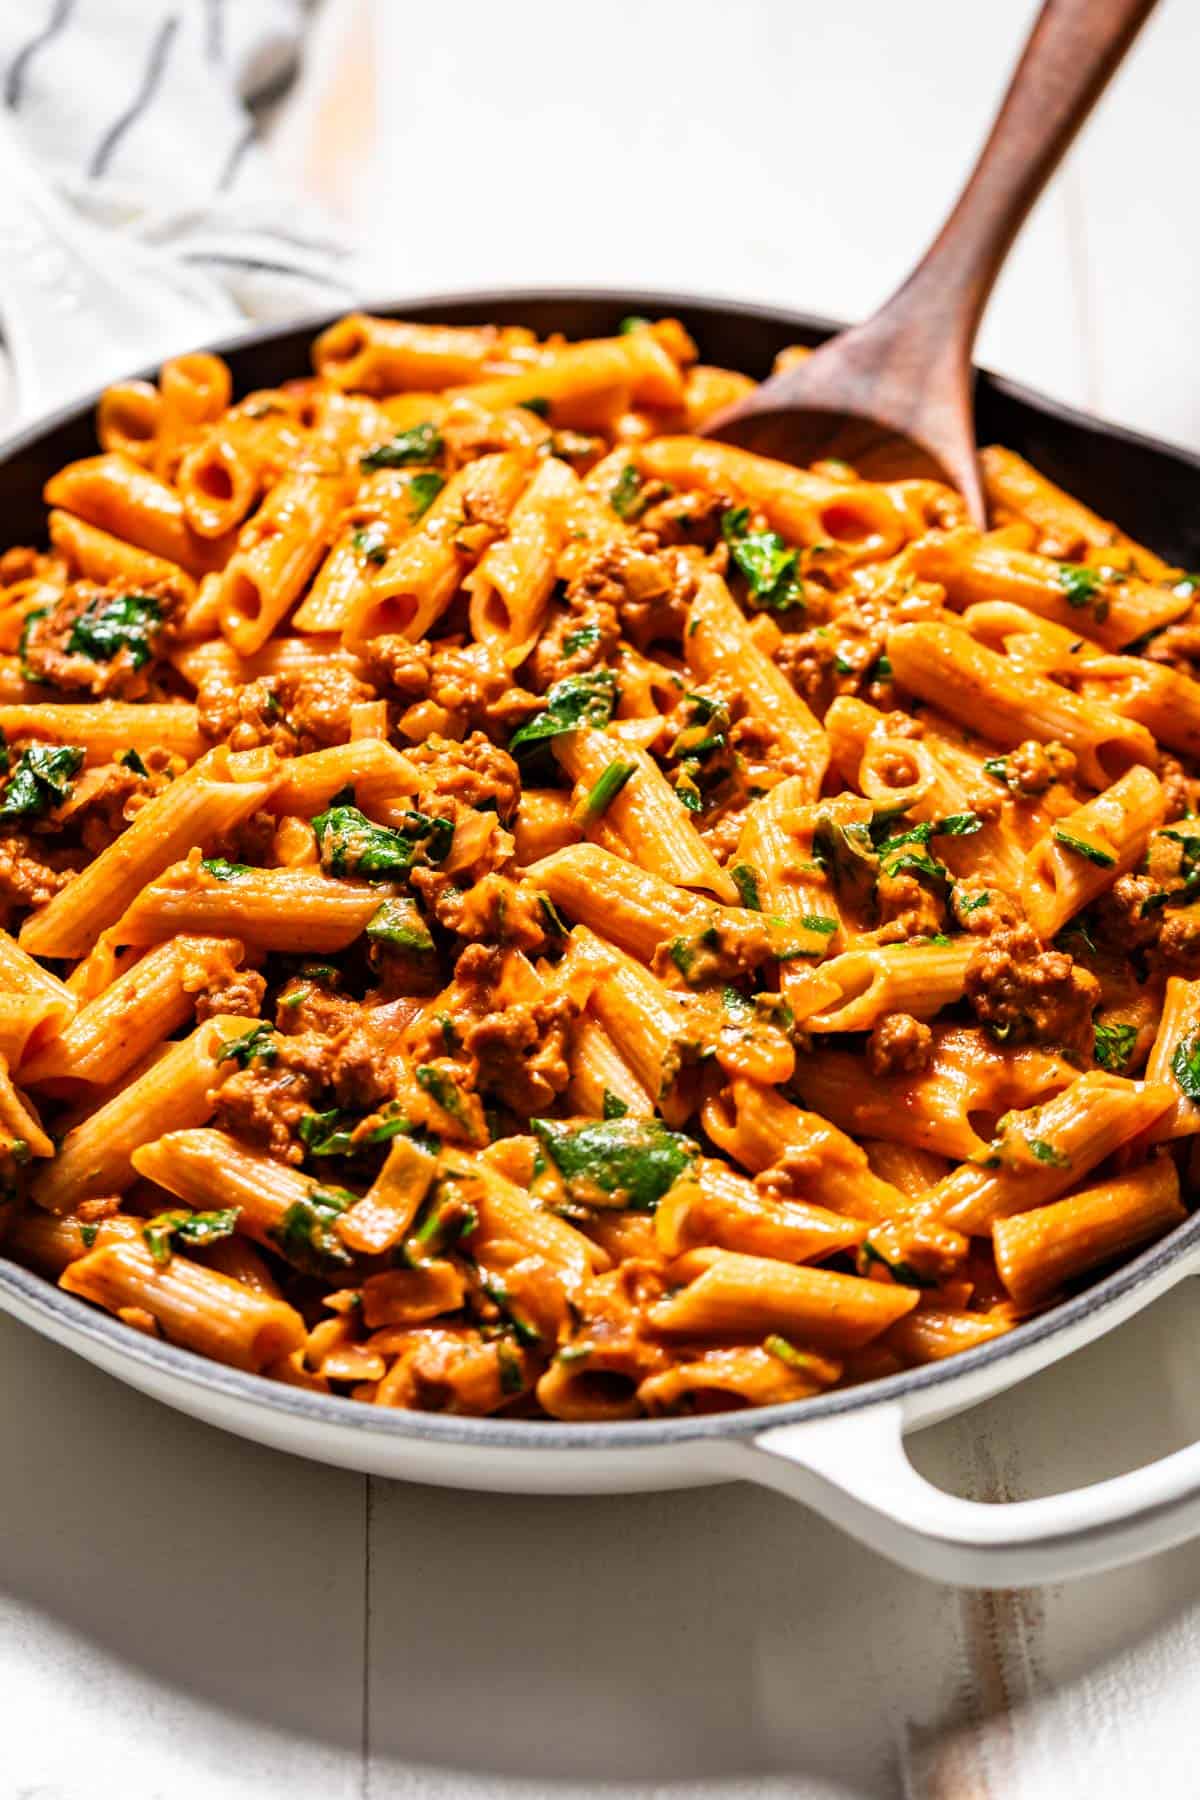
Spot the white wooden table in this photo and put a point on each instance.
(184, 1617)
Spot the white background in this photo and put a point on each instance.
(184, 1617)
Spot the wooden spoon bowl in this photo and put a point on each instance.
(895, 395)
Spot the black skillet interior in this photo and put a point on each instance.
(1150, 489)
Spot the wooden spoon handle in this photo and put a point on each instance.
(1072, 52)
(908, 366)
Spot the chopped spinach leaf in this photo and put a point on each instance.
(129, 759)
(1049, 1154)
(820, 922)
(511, 1368)
(585, 638)
(327, 1133)
(1114, 1046)
(399, 922)
(848, 854)
(222, 870)
(915, 862)
(1079, 583)
(575, 701)
(256, 1045)
(619, 1162)
(351, 845)
(423, 490)
(180, 1230)
(26, 643)
(126, 622)
(371, 543)
(1185, 1066)
(439, 1086)
(786, 1352)
(444, 1224)
(746, 878)
(42, 779)
(900, 1271)
(1103, 859)
(306, 1234)
(918, 834)
(626, 497)
(497, 1292)
(420, 444)
(613, 1107)
(769, 567)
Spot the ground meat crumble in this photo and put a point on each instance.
(1024, 993)
(899, 1045)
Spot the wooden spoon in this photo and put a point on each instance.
(894, 394)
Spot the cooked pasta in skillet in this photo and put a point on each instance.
(512, 907)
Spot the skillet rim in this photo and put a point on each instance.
(77, 1318)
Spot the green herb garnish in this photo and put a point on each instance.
(626, 497)
(420, 444)
(605, 790)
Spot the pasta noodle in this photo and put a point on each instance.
(509, 907)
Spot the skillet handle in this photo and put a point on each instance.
(854, 1471)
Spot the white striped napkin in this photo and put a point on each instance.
(146, 115)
